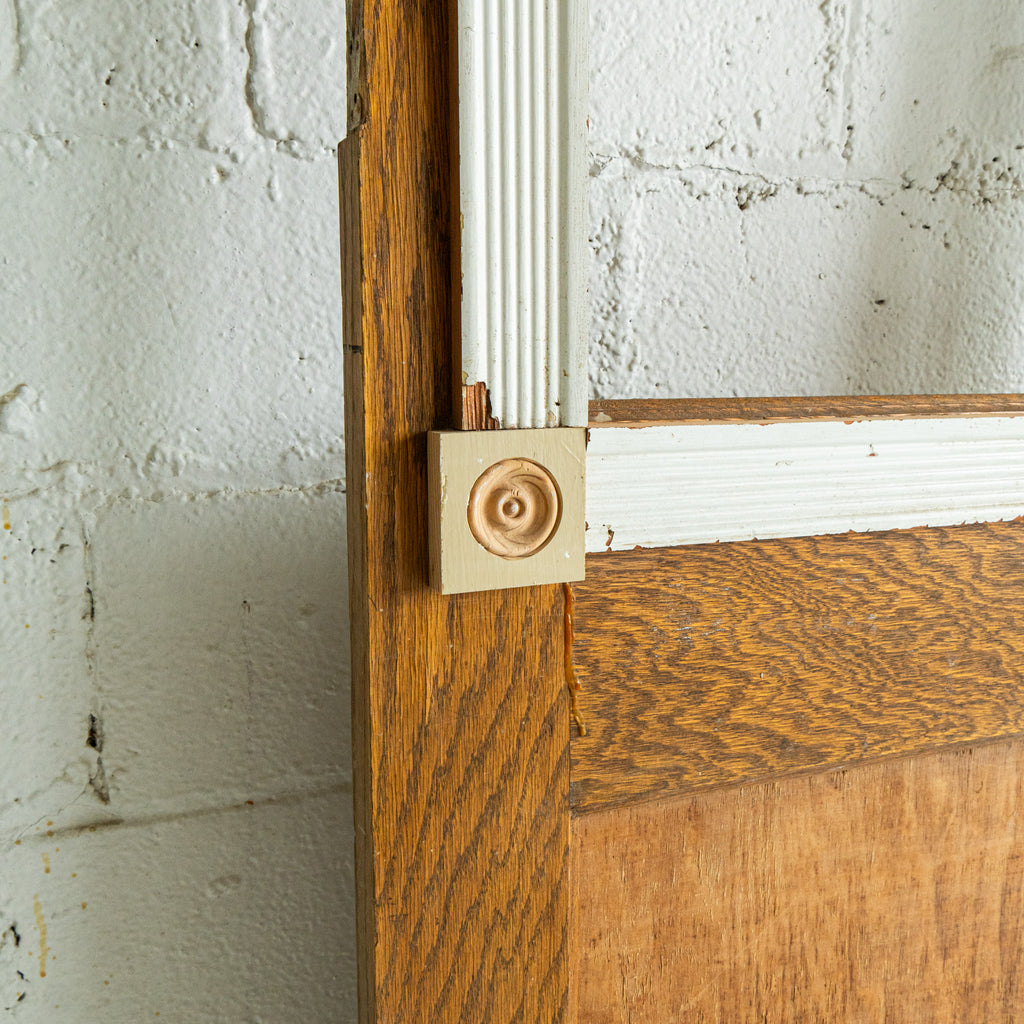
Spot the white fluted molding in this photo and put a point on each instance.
(523, 72)
(671, 485)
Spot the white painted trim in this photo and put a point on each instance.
(669, 485)
(523, 83)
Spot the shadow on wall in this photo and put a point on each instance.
(210, 876)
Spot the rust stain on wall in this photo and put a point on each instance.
(41, 926)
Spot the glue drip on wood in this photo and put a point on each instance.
(571, 680)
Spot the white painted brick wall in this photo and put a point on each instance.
(175, 786)
(807, 197)
(788, 197)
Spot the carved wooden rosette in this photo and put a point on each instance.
(514, 508)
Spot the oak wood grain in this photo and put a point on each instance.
(892, 892)
(460, 712)
(654, 411)
(713, 664)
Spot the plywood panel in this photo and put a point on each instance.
(715, 664)
(889, 893)
(460, 712)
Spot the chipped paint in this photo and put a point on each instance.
(663, 486)
(476, 408)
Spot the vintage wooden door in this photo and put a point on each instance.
(755, 780)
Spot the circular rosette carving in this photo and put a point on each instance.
(514, 508)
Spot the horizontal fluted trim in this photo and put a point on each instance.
(663, 486)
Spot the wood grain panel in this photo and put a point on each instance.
(460, 711)
(887, 893)
(714, 664)
(653, 411)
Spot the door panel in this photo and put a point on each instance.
(889, 892)
(721, 663)
(794, 790)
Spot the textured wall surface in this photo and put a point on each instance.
(787, 197)
(175, 792)
(796, 197)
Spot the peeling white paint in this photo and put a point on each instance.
(18, 409)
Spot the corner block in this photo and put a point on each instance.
(506, 508)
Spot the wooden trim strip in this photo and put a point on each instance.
(718, 664)
(663, 411)
(662, 486)
(459, 706)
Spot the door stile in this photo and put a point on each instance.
(460, 710)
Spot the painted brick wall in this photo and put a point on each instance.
(807, 197)
(175, 832)
(788, 197)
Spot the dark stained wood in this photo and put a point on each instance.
(476, 408)
(713, 664)
(355, 65)
(888, 893)
(650, 412)
(460, 708)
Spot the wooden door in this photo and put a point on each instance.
(797, 796)
(763, 781)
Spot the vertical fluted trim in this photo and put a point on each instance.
(522, 136)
